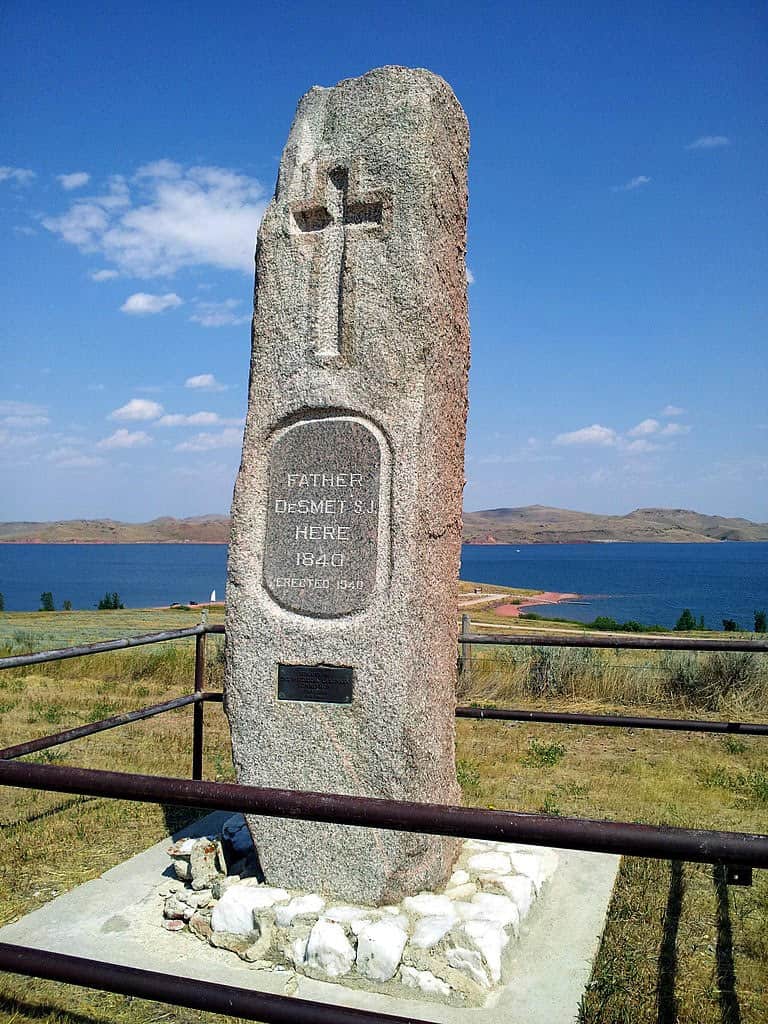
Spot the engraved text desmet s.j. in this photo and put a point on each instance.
(321, 542)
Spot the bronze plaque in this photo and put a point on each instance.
(327, 684)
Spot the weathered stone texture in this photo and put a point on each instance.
(360, 327)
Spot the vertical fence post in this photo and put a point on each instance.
(465, 661)
(197, 710)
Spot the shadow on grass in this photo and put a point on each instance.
(666, 1000)
(58, 809)
(22, 1010)
(730, 1011)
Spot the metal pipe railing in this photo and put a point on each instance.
(55, 739)
(632, 643)
(20, 660)
(189, 992)
(616, 721)
(697, 845)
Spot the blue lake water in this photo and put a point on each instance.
(651, 583)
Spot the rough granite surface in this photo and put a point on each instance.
(360, 316)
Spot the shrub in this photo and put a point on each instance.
(46, 602)
(706, 682)
(730, 625)
(2, 603)
(110, 602)
(761, 622)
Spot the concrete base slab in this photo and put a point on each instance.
(117, 918)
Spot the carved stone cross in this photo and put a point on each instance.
(330, 220)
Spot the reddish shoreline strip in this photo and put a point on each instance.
(512, 611)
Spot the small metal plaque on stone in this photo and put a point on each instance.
(326, 684)
(321, 543)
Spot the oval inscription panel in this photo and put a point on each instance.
(321, 543)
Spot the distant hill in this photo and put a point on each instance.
(212, 529)
(533, 524)
(538, 524)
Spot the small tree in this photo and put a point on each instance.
(2, 603)
(730, 625)
(67, 606)
(761, 623)
(701, 622)
(686, 621)
(110, 602)
(46, 602)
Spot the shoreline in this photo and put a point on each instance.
(512, 611)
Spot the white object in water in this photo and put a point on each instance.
(212, 598)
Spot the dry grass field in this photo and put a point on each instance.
(679, 947)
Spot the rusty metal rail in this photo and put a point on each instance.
(611, 642)
(614, 721)
(618, 837)
(167, 988)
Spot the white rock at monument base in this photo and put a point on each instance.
(469, 961)
(428, 904)
(459, 877)
(344, 913)
(489, 939)
(519, 888)
(464, 892)
(297, 950)
(424, 980)
(480, 844)
(494, 861)
(429, 930)
(498, 909)
(329, 950)
(234, 911)
(309, 904)
(531, 865)
(379, 948)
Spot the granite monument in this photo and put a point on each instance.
(344, 554)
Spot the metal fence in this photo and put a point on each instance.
(738, 851)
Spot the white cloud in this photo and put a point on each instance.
(641, 447)
(103, 275)
(204, 382)
(137, 409)
(75, 180)
(141, 303)
(196, 419)
(470, 277)
(644, 429)
(9, 407)
(228, 438)
(17, 175)
(219, 314)
(709, 142)
(632, 184)
(672, 410)
(23, 415)
(596, 434)
(68, 457)
(168, 217)
(125, 439)
(25, 422)
(675, 429)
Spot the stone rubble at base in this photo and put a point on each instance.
(447, 946)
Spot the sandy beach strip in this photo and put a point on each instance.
(512, 611)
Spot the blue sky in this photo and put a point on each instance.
(616, 243)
